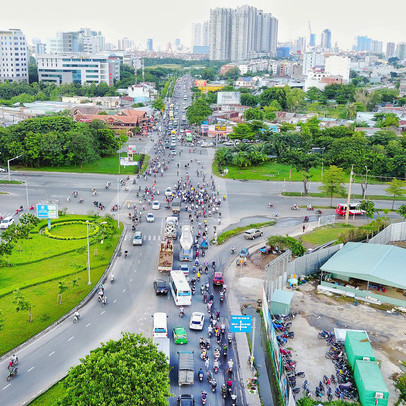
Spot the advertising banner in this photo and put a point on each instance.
(47, 211)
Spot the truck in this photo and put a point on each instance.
(186, 373)
(171, 228)
(186, 244)
(176, 206)
(163, 345)
(165, 259)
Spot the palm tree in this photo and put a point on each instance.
(223, 156)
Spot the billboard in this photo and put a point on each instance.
(47, 211)
(200, 83)
(228, 98)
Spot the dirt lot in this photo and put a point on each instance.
(316, 311)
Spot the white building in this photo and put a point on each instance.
(14, 58)
(78, 68)
(338, 66)
(312, 60)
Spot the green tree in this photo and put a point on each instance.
(402, 211)
(232, 73)
(271, 94)
(62, 287)
(253, 114)
(242, 159)
(368, 207)
(395, 189)
(158, 104)
(286, 242)
(248, 99)
(242, 131)
(21, 304)
(295, 98)
(223, 156)
(333, 182)
(198, 111)
(132, 369)
(303, 162)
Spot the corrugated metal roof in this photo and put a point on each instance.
(371, 376)
(377, 263)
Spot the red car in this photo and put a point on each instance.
(218, 278)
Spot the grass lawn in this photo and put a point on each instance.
(238, 230)
(354, 196)
(322, 235)
(108, 165)
(14, 182)
(51, 396)
(36, 270)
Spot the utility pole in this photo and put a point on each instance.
(347, 210)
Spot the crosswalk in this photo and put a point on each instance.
(146, 237)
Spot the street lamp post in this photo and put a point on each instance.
(8, 165)
(26, 192)
(88, 252)
(118, 202)
(366, 182)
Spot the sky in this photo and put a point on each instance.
(164, 20)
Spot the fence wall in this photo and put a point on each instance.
(276, 273)
(394, 232)
(312, 262)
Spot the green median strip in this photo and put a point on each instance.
(238, 230)
(357, 197)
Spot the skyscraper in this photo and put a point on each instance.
(390, 50)
(200, 34)
(14, 57)
(376, 47)
(363, 43)
(242, 33)
(401, 50)
(150, 45)
(325, 40)
(312, 40)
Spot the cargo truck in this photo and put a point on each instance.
(163, 345)
(165, 260)
(186, 244)
(171, 228)
(186, 374)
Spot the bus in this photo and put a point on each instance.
(353, 210)
(182, 295)
(189, 137)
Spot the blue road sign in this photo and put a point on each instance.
(240, 324)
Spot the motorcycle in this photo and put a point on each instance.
(32, 207)
(200, 375)
(181, 313)
(230, 364)
(13, 373)
(318, 212)
(294, 207)
(76, 317)
(13, 362)
(204, 398)
(306, 219)
(233, 399)
(213, 384)
(270, 205)
(232, 250)
(112, 279)
(223, 391)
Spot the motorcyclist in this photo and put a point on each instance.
(200, 374)
(230, 364)
(223, 390)
(77, 315)
(181, 311)
(216, 365)
(232, 249)
(112, 278)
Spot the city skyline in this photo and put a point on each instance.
(164, 23)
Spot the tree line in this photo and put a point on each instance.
(57, 141)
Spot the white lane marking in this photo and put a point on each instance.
(88, 324)
(140, 253)
(31, 369)
(131, 279)
(6, 386)
(138, 261)
(52, 353)
(71, 338)
(124, 290)
(154, 237)
(115, 300)
(102, 312)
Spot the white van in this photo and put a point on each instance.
(160, 325)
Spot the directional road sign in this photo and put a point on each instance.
(240, 324)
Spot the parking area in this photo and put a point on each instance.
(316, 312)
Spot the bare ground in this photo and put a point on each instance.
(316, 312)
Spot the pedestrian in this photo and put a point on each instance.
(304, 228)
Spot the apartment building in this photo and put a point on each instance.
(14, 58)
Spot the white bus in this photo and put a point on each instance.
(182, 295)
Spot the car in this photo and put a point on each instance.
(179, 335)
(229, 144)
(252, 233)
(168, 191)
(186, 400)
(196, 321)
(6, 222)
(218, 279)
(137, 239)
(156, 205)
(160, 287)
(150, 218)
(244, 252)
(2, 169)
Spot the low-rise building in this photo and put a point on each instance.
(123, 119)
(78, 68)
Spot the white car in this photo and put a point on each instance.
(6, 222)
(168, 191)
(150, 218)
(155, 205)
(2, 169)
(196, 321)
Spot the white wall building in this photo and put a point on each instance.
(312, 60)
(338, 66)
(78, 68)
(14, 58)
